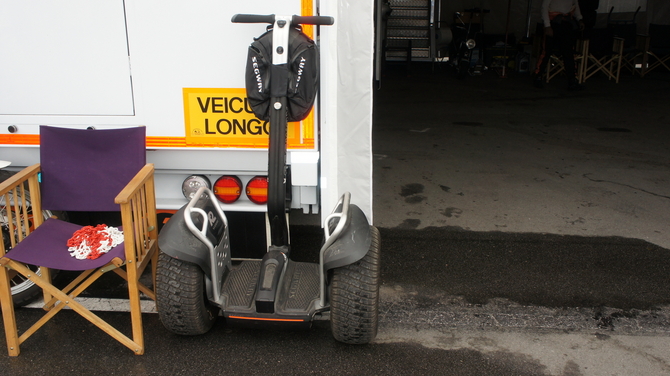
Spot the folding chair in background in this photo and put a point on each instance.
(634, 44)
(80, 170)
(634, 54)
(658, 50)
(604, 54)
(555, 63)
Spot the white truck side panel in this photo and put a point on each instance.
(128, 62)
(56, 62)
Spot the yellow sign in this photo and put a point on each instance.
(223, 118)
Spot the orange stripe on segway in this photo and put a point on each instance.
(264, 319)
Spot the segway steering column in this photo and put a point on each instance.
(279, 79)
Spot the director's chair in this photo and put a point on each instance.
(657, 53)
(634, 46)
(604, 53)
(555, 63)
(80, 170)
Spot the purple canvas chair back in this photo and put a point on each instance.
(84, 170)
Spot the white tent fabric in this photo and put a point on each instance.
(347, 50)
(658, 12)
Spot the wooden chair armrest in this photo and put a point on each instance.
(617, 45)
(135, 184)
(642, 42)
(138, 216)
(19, 178)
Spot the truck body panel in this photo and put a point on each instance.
(178, 69)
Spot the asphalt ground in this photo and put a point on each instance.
(529, 269)
(239, 352)
(453, 303)
(496, 154)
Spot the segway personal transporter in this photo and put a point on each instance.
(198, 279)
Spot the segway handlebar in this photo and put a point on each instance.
(313, 20)
(270, 19)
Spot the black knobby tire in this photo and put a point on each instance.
(181, 300)
(354, 297)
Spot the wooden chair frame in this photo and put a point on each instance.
(138, 212)
(635, 60)
(555, 64)
(658, 61)
(653, 60)
(610, 64)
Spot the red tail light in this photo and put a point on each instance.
(257, 190)
(228, 189)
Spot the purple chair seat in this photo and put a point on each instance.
(47, 246)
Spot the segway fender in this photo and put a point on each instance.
(177, 241)
(352, 243)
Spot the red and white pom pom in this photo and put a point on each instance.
(92, 242)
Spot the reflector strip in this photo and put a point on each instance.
(257, 190)
(20, 139)
(307, 10)
(265, 319)
(173, 142)
(228, 189)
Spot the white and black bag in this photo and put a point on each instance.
(297, 80)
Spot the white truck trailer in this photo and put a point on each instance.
(177, 68)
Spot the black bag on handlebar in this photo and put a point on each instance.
(303, 75)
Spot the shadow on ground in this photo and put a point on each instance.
(529, 269)
(533, 269)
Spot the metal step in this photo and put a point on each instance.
(402, 43)
(409, 24)
(410, 3)
(417, 55)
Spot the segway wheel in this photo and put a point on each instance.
(181, 299)
(354, 296)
